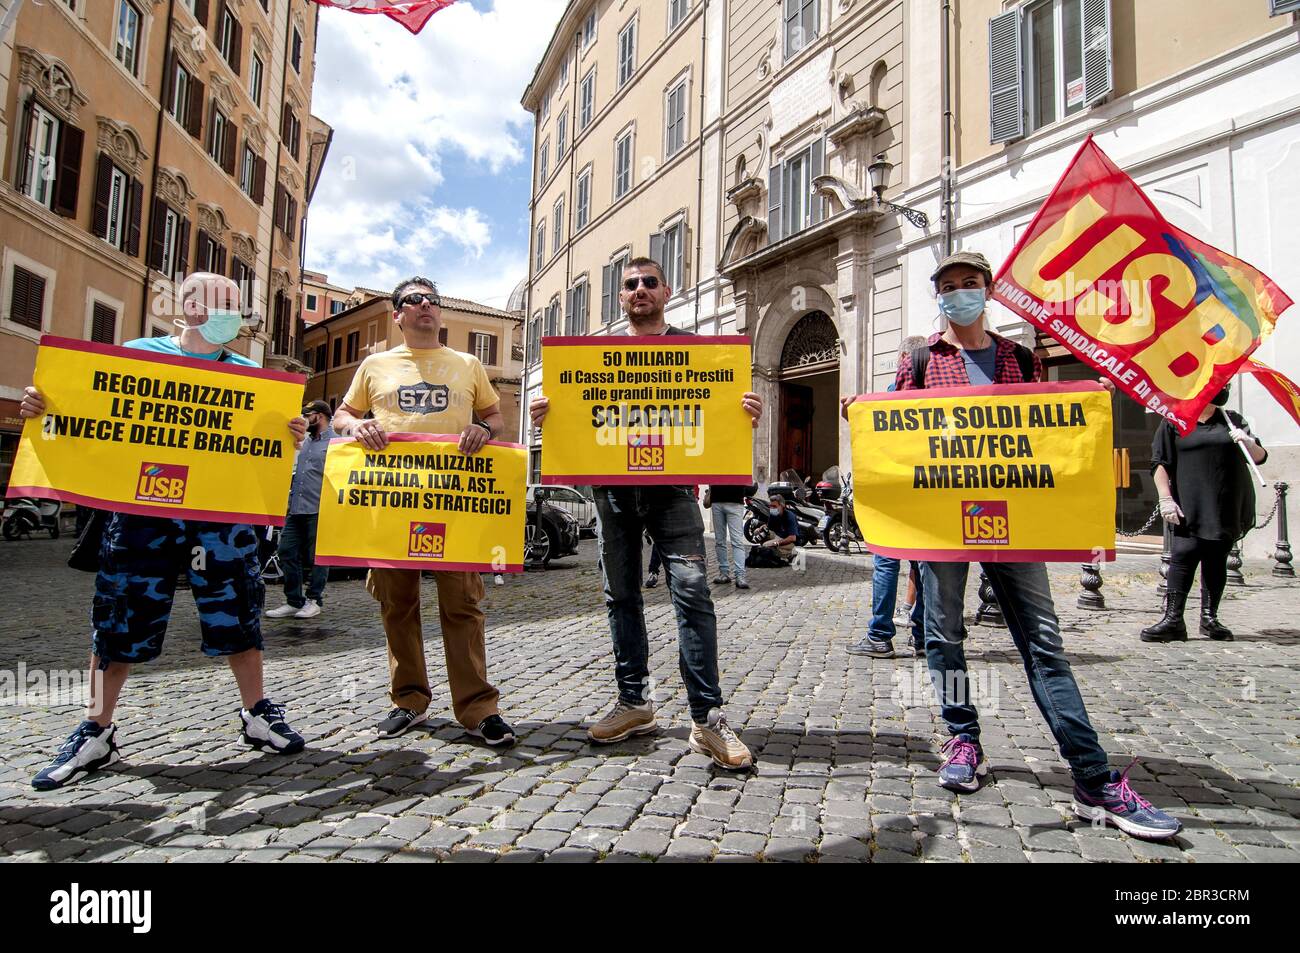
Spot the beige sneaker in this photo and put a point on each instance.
(623, 721)
(719, 742)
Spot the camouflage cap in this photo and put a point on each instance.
(972, 259)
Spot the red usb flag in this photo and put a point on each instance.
(1283, 389)
(412, 14)
(1168, 318)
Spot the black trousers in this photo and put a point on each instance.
(1186, 553)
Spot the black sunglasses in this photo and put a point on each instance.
(415, 298)
(650, 282)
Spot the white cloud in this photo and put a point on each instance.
(403, 107)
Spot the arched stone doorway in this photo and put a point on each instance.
(809, 375)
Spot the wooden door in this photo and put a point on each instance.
(796, 429)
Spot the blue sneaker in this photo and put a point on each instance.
(265, 727)
(964, 766)
(87, 749)
(1119, 804)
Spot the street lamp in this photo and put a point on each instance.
(879, 173)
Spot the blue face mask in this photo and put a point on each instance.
(963, 306)
(222, 327)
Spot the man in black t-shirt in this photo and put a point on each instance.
(671, 517)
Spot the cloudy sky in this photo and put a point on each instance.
(429, 168)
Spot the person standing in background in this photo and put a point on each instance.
(1207, 497)
(728, 505)
(297, 548)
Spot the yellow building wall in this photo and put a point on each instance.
(1153, 40)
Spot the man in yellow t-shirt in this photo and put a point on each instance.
(422, 386)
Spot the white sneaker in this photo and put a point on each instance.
(310, 610)
(87, 749)
(285, 611)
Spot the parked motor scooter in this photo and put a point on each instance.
(839, 530)
(25, 515)
(827, 488)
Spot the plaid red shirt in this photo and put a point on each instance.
(947, 367)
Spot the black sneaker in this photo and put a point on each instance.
(494, 730)
(87, 749)
(265, 727)
(652, 580)
(400, 721)
(741, 584)
(721, 579)
(871, 648)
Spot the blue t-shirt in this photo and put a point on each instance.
(783, 525)
(172, 346)
(981, 365)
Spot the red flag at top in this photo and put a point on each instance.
(1167, 317)
(412, 14)
(1281, 387)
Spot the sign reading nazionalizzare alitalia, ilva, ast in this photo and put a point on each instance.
(1011, 473)
(646, 410)
(159, 435)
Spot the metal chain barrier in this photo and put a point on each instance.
(1271, 513)
(1155, 515)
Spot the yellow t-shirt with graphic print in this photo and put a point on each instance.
(421, 390)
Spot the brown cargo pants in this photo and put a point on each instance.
(398, 591)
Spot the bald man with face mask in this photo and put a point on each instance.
(142, 556)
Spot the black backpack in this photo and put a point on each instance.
(921, 360)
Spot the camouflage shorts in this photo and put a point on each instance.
(141, 558)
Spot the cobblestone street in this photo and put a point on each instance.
(846, 747)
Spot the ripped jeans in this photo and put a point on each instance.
(671, 517)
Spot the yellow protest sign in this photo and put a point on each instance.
(422, 504)
(1010, 473)
(159, 435)
(646, 410)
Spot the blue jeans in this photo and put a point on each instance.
(670, 516)
(1026, 599)
(656, 561)
(884, 594)
(298, 550)
(729, 534)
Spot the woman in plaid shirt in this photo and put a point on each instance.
(968, 354)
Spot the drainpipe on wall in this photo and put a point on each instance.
(153, 175)
(571, 203)
(699, 188)
(295, 336)
(279, 151)
(946, 173)
(528, 293)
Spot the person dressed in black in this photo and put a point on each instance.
(1206, 495)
